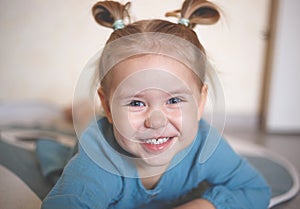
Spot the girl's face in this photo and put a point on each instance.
(154, 103)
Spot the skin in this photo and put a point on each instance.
(154, 97)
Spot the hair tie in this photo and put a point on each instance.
(118, 24)
(184, 21)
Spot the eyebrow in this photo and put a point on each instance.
(181, 91)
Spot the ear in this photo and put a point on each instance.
(105, 104)
(202, 102)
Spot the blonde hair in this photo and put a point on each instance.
(155, 35)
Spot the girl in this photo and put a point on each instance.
(153, 149)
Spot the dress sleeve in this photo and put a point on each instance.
(83, 185)
(235, 184)
(65, 201)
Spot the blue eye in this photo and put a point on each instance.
(174, 100)
(136, 103)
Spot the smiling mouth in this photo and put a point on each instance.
(157, 145)
(157, 141)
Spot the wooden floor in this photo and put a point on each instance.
(286, 145)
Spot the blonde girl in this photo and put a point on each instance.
(153, 149)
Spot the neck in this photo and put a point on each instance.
(150, 175)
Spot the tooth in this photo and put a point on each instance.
(157, 141)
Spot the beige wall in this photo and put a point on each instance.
(46, 44)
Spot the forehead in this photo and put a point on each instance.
(151, 66)
(151, 72)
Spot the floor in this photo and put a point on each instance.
(287, 145)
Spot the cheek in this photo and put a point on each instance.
(122, 121)
(175, 117)
(136, 120)
(126, 143)
(189, 120)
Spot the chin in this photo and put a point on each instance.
(158, 160)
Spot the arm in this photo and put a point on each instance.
(82, 186)
(234, 182)
(197, 204)
(64, 201)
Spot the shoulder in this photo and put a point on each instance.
(99, 145)
(208, 139)
(84, 184)
(224, 164)
(82, 170)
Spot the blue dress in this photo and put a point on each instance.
(100, 177)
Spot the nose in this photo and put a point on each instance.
(156, 119)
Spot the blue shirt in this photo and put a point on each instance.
(98, 177)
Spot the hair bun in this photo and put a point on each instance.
(197, 12)
(107, 12)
